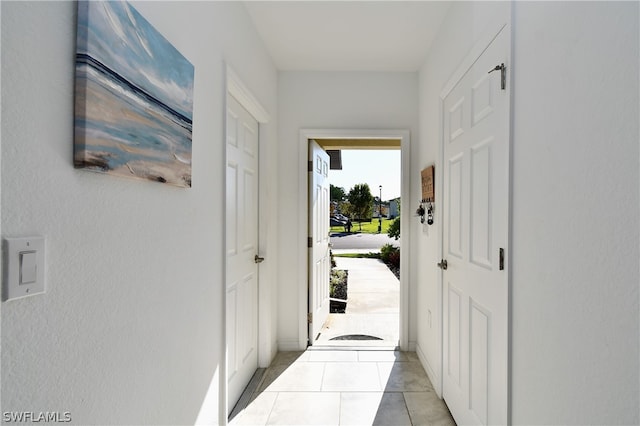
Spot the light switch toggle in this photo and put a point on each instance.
(25, 266)
(28, 267)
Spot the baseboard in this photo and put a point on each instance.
(289, 345)
(412, 345)
(435, 379)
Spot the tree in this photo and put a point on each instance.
(361, 202)
(394, 228)
(336, 193)
(346, 208)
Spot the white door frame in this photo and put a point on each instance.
(481, 45)
(303, 213)
(236, 88)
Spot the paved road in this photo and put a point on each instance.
(343, 241)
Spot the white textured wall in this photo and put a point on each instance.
(575, 263)
(575, 238)
(326, 100)
(130, 330)
(1, 263)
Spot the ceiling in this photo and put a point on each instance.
(348, 35)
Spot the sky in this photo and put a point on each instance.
(375, 167)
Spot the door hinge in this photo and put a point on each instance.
(501, 259)
(310, 166)
(503, 75)
(309, 317)
(309, 242)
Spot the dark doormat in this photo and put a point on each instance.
(356, 337)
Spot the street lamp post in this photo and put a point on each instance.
(380, 211)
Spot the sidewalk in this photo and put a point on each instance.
(373, 306)
(359, 251)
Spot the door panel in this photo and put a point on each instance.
(456, 120)
(232, 209)
(479, 362)
(454, 197)
(475, 221)
(482, 94)
(453, 337)
(250, 189)
(232, 327)
(480, 232)
(242, 243)
(319, 260)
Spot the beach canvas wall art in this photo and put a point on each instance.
(133, 97)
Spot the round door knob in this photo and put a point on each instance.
(443, 264)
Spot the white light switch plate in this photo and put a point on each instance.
(24, 267)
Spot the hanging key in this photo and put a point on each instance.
(503, 74)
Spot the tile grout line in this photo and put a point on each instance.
(324, 369)
(272, 407)
(407, 408)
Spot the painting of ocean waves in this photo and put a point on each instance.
(134, 97)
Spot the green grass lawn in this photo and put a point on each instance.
(367, 228)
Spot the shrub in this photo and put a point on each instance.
(386, 252)
(394, 229)
(390, 255)
(394, 259)
(338, 277)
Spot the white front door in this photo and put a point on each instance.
(241, 249)
(319, 259)
(475, 241)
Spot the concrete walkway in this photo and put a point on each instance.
(373, 306)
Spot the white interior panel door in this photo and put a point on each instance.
(242, 245)
(475, 236)
(319, 259)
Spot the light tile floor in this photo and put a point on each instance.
(345, 387)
